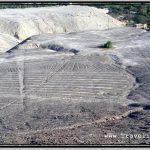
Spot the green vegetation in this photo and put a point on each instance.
(30, 4)
(140, 19)
(133, 12)
(108, 44)
(136, 13)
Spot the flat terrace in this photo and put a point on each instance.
(48, 88)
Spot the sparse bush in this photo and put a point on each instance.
(107, 45)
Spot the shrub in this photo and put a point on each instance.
(140, 19)
(107, 45)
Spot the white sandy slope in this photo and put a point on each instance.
(23, 23)
(7, 42)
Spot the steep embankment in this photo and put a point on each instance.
(7, 42)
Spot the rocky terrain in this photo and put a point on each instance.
(64, 88)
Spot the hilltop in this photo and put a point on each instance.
(23, 23)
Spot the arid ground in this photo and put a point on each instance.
(59, 86)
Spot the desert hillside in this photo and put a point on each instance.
(23, 23)
(61, 85)
(7, 42)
